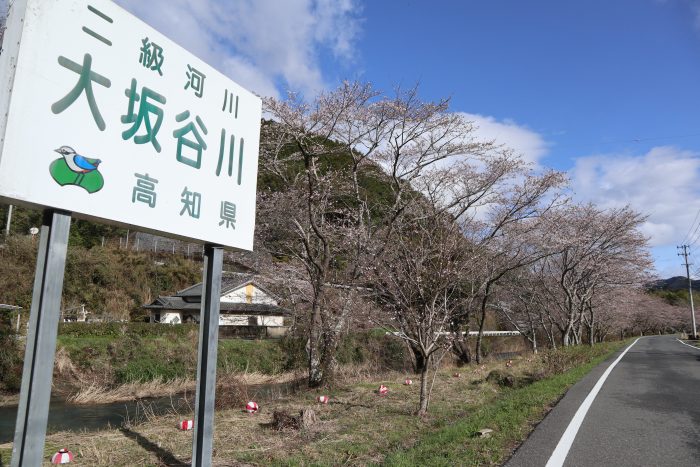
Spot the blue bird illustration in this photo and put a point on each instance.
(76, 162)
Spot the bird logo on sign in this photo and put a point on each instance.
(75, 169)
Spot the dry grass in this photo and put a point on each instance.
(253, 378)
(94, 393)
(9, 399)
(97, 393)
(358, 427)
(63, 363)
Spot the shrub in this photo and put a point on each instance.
(502, 379)
(294, 352)
(120, 329)
(263, 356)
(149, 368)
(557, 361)
(375, 348)
(10, 360)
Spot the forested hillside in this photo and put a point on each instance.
(110, 282)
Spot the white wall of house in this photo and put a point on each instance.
(271, 320)
(170, 317)
(248, 294)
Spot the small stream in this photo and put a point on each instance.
(91, 417)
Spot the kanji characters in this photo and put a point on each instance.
(231, 152)
(151, 56)
(146, 109)
(195, 80)
(84, 84)
(145, 190)
(191, 203)
(95, 34)
(227, 214)
(198, 144)
(143, 119)
(228, 99)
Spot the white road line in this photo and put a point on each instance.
(691, 346)
(567, 439)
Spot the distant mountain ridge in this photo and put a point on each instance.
(675, 284)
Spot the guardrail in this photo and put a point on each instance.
(473, 333)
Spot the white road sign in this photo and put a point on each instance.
(110, 120)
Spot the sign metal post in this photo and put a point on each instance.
(35, 392)
(202, 442)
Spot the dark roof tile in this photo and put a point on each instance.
(229, 281)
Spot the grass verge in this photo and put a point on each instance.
(511, 416)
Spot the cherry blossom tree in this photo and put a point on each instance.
(342, 137)
(595, 250)
(418, 284)
(321, 138)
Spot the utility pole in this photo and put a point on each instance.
(684, 254)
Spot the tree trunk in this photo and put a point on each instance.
(549, 332)
(478, 341)
(314, 347)
(423, 407)
(534, 341)
(480, 337)
(329, 364)
(533, 332)
(567, 333)
(579, 329)
(461, 349)
(460, 345)
(420, 362)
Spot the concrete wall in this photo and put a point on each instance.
(233, 320)
(174, 317)
(237, 320)
(252, 332)
(276, 332)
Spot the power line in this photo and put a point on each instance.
(694, 237)
(653, 138)
(686, 238)
(580, 147)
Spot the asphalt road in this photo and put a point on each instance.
(647, 412)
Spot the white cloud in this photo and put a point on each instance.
(661, 183)
(259, 43)
(531, 145)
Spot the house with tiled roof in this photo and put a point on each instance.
(247, 308)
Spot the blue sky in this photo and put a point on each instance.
(608, 91)
(587, 76)
(612, 89)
